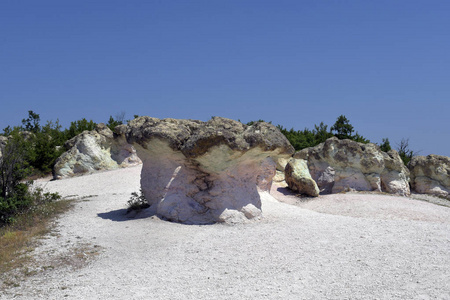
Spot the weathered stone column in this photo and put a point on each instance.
(204, 172)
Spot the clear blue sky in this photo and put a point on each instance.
(383, 64)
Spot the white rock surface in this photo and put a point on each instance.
(204, 172)
(345, 165)
(95, 150)
(430, 175)
(340, 246)
(299, 179)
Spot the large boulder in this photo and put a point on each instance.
(95, 150)
(299, 179)
(343, 165)
(430, 175)
(204, 172)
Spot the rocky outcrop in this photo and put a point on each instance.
(203, 172)
(299, 179)
(430, 175)
(95, 150)
(344, 165)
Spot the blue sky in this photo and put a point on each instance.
(385, 65)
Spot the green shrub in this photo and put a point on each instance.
(78, 127)
(23, 200)
(137, 202)
(385, 145)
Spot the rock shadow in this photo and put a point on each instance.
(122, 215)
(285, 191)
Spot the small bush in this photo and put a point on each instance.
(137, 202)
(24, 200)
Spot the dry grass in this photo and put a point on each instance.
(18, 239)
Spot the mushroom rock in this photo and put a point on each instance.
(198, 172)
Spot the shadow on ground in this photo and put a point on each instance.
(121, 215)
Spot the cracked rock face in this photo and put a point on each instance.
(198, 172)
(430, 175)
(95, 150)
(343, 165)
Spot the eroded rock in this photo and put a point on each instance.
(95, 150)
(344, 165)
(430, 175)
(204, 172)
(299, 179)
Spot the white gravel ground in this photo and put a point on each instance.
(342, 246)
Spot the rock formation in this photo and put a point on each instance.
(203, 172)
(430, 175)
(343, 165)
(299, 179)
(95, 150)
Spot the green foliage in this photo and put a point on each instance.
(404, 151)
(137, 202)
(15, 195)
(24, 200)
(112, 123)
(385, 145)
(118, 120)
(44, 145)
(305, 138)
(299, 139)
(32, 122)
(254, 122)
(78, 127)
(13, 164)
(321, 133)
(7, 131)
(13, 169)
(342, 129)
(360, 139)
(15, 203)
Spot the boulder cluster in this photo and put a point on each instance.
(198, 172)
(343, 165)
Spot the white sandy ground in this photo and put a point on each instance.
(342, 246)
